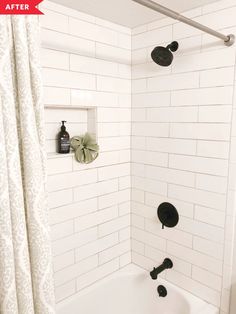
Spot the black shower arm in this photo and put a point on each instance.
(228, 40)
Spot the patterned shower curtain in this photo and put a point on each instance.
(26, 285)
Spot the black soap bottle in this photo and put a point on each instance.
(63, 140)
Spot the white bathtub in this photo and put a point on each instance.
(131, 291)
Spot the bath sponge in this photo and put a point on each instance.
(85, 147)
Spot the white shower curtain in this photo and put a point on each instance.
(26, 285)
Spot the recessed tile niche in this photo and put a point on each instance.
(79, 121)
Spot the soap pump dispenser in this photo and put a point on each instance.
(63, 140)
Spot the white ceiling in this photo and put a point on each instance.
(126, 12)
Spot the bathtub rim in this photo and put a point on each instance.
(131, 270)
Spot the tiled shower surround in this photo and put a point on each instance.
(178, 134)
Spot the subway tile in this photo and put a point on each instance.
(137, 246)
(54, 59)
(215, 114)
(115, 54)
(199, 164)
(139, 86)
(172, 114)
(58, 96)
(93, 98)
(62, 230)
(64, 291)
(195, 258)
(125, 182)
(125, 208)
(211, 183)
(206, 278)
(217, 77)
(71, 179)
(154, 200)
(63, 261)
(194, 287)
(202, 96)
(173, 82)
(73, 210)
(219, 5)
(203, 131)
(96, 246)
(55, 21)
(124, 41)
(142, 261)
(125, 234)
(113, 84)
(148, 238)
(59, 165)
(143, 210)
(210, 216)
(96, 218)
(175, 235)
(113, 198)
(170, 145)
(74, 241)
(113, 252)
(91, 65)
(67, 43)
(214, 149)
(150, 129)
(137, 195)
(114, 115)
(75, 270)
(200, 197)
(204, 61)
(139, 56)
(149, 38)
(201, 229)
(150, 158)
(125, 259)
(94, 190)
(207, 247)
(114, 26)
(147, 70)
(114, 225)
(92, 31)
(148, 185)
(179, 265)
(159, 99)
(137, 221)
(67, 79)
(60, 198)
(97, 273)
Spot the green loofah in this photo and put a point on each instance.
(85, 147)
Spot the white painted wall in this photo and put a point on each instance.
(86, 63)
(183, 151)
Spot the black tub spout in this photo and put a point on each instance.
(167, 264)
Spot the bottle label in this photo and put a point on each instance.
(65, 145)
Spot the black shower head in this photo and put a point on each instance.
(163, 56)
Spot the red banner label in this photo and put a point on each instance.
(20, 7)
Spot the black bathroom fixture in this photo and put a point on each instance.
(167, 264)
(162, 292)
(163, 55)
(168, 215)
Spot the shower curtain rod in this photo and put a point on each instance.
(228, 40)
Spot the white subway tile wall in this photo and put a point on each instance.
(87, 63)
(183, 152)
(173, 140)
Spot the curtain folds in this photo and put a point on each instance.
(26, 284)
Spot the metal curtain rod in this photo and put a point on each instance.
(229, 40)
